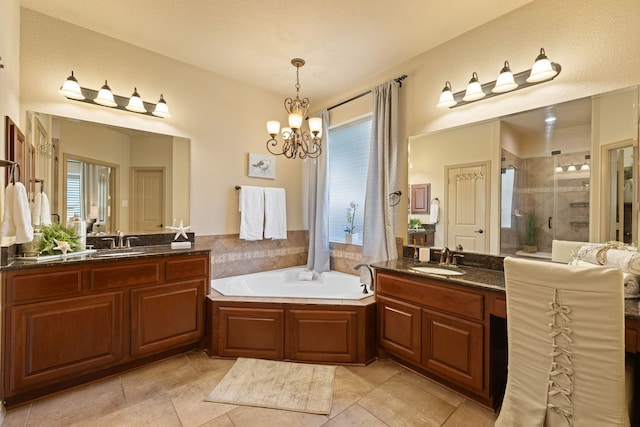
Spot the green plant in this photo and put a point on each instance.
(53, 232)
(530, 228)
(414, 223)
(351, 216)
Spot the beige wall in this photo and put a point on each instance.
(224, 120)
(10, 74)
(594, 41)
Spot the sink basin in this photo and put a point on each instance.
(119, 254)
(440, 271)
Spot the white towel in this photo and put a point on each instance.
(251, 212)
(45, 210)
(17, 216)
(631, 286)
(36, 209)
(434, 213)
(275, 213)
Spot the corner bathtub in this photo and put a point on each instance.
(284, 283)
(273, 315)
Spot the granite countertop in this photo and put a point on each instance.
(476, 277)
(104, 255)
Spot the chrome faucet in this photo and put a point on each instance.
(364, 285)
(445, 255)
(120, 243)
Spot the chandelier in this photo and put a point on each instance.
(295, 141)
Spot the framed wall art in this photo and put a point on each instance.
(262, 166)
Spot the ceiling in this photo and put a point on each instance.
(344, 42)
(565, 115)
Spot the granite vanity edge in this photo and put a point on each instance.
(487, 279)
(145, 251)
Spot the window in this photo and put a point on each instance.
(74, 189)
(508, 177)
(348, 161)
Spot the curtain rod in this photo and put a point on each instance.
(397, 80)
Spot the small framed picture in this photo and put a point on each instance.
(262, 166)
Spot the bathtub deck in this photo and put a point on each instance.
(296, 329)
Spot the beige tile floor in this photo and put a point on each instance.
(171, 393)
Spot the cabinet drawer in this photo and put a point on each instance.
(186, 268)
(125, 274)
(433, 294)
(49, 284)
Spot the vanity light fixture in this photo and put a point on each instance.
(71, 89)
(105, 96)
(542, 71)
(474, 91)
(135, 102)
(505, 82)
(296, 141)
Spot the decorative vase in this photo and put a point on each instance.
(529, 249)
(348, 238)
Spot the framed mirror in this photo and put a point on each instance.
(115, 178)
(551, 170)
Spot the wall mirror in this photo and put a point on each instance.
(115, 178)
(565, 171)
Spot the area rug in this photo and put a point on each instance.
(297, 387)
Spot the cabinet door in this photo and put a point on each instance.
(52, 341)
(250, 332)
(166, 316)
(453, 348)
(399, 328)
(323, 336)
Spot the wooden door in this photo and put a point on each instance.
(399, 328)
(166, 316)
(52, 341)
(453, 348)
(148, 196)
(420, 194)
(323, 335)
(468, 198)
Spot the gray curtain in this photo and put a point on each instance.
(379, 241)
(318, 258)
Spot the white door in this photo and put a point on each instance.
(148, 195)
(468, 195)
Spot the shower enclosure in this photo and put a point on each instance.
(546, 178)
(544, 198)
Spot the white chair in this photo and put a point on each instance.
(565, 326)
(563, 250)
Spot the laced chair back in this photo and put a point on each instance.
(565, 326)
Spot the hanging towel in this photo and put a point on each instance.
(434, 213)
(275, 213)
(40, 210)
(251, 212)
(17, 216)
(36, 209)
(45, 209)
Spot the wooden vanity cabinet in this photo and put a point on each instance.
(69, 324)
(437, 328)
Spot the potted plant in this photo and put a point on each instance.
(530, 229)
(350, 228)
(57, 239)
